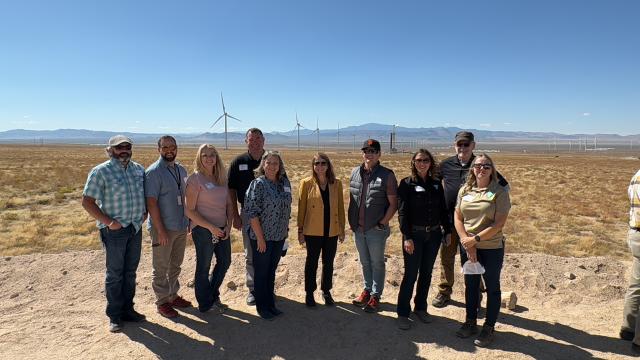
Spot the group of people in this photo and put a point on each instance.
(462, 203)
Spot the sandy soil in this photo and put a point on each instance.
(52, 306)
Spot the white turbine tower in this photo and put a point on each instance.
(298, 126)
(317, 132)
(225, 115)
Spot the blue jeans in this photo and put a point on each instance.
(370, 245)
(491, 260)
(264, 267)
(122, 249)
(207, 287)
(418, 265)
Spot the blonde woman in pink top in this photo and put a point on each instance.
(210, 210)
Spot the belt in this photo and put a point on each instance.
(425, 228)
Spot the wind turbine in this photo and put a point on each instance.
(298, 126)
(317, 131)
(224, 115)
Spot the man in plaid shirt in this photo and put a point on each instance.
(114, 196)
(631, 323)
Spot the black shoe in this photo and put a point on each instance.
(133, 316)
(309, 300)
(467, 329)
(486, 336)
(328, 300)
(275, 311)
(267, 315)
(441, 300)
(626, 334)
(635, 348)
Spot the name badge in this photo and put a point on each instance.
(209, 185)
(420, 189)
(468, 197)
(287, 189)
(243, 167)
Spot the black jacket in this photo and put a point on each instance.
(421, 203)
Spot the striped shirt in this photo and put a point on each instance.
(119, 192)
(634, 199)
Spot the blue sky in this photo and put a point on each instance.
(159, 66)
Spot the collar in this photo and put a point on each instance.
(373, 169)
(117, 163)
(473, 156)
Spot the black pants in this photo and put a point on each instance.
(264, 267)
(316, 245)
(491, 260)
(418, 265)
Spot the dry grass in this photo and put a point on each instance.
(571, 205)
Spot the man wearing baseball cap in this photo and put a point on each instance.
(454, 171)
(114, 196)
(372, 203)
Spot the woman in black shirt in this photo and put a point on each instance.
(423, 219)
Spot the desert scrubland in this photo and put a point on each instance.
(566, 204)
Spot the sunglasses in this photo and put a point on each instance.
(466, 144)
(123, 147)
(370, 151)
(424, 161)
(483, 166)
(320, 163)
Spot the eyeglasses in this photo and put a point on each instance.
(123, 147)
(466, 144)
(370, 151)
(483, 166)
(320, 163)
(424, 161)
(169, 148)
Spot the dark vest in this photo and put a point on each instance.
(376, 201)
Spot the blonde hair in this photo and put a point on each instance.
(471, 178)
(219, 172)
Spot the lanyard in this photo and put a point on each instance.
(176, 176)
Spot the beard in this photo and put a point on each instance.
(123, 157)
(168, 157)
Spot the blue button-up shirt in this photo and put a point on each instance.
(166, 184)
(119, 192)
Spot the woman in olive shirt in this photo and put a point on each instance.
(481, 212)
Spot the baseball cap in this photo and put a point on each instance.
(464, 135)
(119, 139)
(371, 143)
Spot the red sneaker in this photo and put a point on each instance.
(180, 302)
(373, 305)
(362, 300)
(167, 311)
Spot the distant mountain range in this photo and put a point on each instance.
(309, 137)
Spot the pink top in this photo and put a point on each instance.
(211, 201)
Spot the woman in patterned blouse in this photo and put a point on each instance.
(268, 206)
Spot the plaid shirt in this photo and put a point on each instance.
(119, 192)
(634, 199)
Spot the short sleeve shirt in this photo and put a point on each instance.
(119, 192)
(167, 185)
(479, 207)
(211, 202)
(241, 174)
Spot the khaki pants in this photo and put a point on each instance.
(167, 260)
(447, 263)
(632, 298)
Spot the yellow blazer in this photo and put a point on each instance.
(311, 208)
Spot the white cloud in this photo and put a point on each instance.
(507, 123)
(485, 125)
(586, 114)
(26, 116)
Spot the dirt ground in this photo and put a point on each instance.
(52, 306)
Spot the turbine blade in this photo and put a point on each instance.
(222, 98)
(234, 118)
(215, 122)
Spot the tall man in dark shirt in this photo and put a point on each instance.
(240, 176)
(454, 171)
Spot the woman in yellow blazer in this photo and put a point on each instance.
(320, 225)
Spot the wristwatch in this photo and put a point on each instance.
(476, 238)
